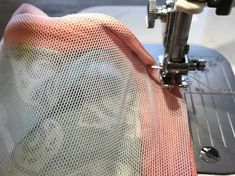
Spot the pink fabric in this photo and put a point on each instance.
(164, 132)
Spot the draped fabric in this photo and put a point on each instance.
(78, 98)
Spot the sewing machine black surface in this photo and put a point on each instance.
(210, 100)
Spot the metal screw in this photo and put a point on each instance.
(209, 154)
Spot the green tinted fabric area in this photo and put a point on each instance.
(77, 114)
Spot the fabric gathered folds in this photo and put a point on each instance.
(78, 98)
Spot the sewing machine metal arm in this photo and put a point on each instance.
(177, 17)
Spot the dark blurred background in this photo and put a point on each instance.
(58, 7)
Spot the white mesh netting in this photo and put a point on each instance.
(77, 99)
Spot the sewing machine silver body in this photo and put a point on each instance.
(177, 17)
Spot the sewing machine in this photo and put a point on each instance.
(207, 82)
(209, 94)
(177, 17)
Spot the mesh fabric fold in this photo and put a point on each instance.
(77, 98)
